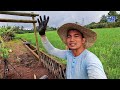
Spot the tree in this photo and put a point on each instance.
(103, 19)
(76, 22)
(92, 23)
(118, 18)
(112, 13)
(22, 28)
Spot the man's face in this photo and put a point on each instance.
(75, 40)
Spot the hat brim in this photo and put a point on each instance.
(88, 34)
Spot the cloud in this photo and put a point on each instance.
(57, 18)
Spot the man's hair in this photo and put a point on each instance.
(76, 30)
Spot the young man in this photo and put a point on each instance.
(81, 63)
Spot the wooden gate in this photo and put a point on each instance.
(22, 21)
(56, 68)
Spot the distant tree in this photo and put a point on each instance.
(118, 18)
(103, 19)
(8, 27)
(22, 28)
(112, 13)
(92, 23)
(16, 28)
(76, 22)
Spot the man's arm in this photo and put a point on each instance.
(48, 46)
(51, 49)
(95, 69)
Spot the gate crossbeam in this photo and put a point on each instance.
(19, 13)
(18, 21)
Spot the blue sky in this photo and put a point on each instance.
(57, 18)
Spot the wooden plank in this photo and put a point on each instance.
(18, 21)
(32, 52)
(18, 13)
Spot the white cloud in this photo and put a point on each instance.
(57, 18)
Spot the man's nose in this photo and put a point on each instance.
(72, 39)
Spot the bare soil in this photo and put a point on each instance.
(22, 63)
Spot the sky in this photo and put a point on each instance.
(58, 18)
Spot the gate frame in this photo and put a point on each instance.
(23, 21)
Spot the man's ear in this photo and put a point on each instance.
(83, 41)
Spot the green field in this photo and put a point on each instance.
(107, 48)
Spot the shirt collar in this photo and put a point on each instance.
(80, 56)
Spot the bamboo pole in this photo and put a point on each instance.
(35, 32)
(18, 21)
(32, 52)
(18, 13)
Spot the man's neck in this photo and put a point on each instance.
(77, 52)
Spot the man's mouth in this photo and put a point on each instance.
(72, 44)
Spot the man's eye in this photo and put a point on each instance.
(68, 36)
(76, 35)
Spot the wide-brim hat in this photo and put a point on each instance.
(88, 34)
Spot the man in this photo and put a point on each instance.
(81, 63)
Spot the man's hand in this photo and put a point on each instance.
(42, 25)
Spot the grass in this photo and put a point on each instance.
(107, 48)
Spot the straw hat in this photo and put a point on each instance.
(88, 34)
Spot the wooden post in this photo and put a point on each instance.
(35, 32)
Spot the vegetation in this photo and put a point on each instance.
(7, 33)
(103, 23)
(3, 50)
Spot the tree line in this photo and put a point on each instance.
(103, 23)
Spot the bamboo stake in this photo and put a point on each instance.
(35, 32)
(35, 76)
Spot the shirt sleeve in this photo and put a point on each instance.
(52, 50)
(94, 68)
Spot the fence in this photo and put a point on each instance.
(53, 66)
